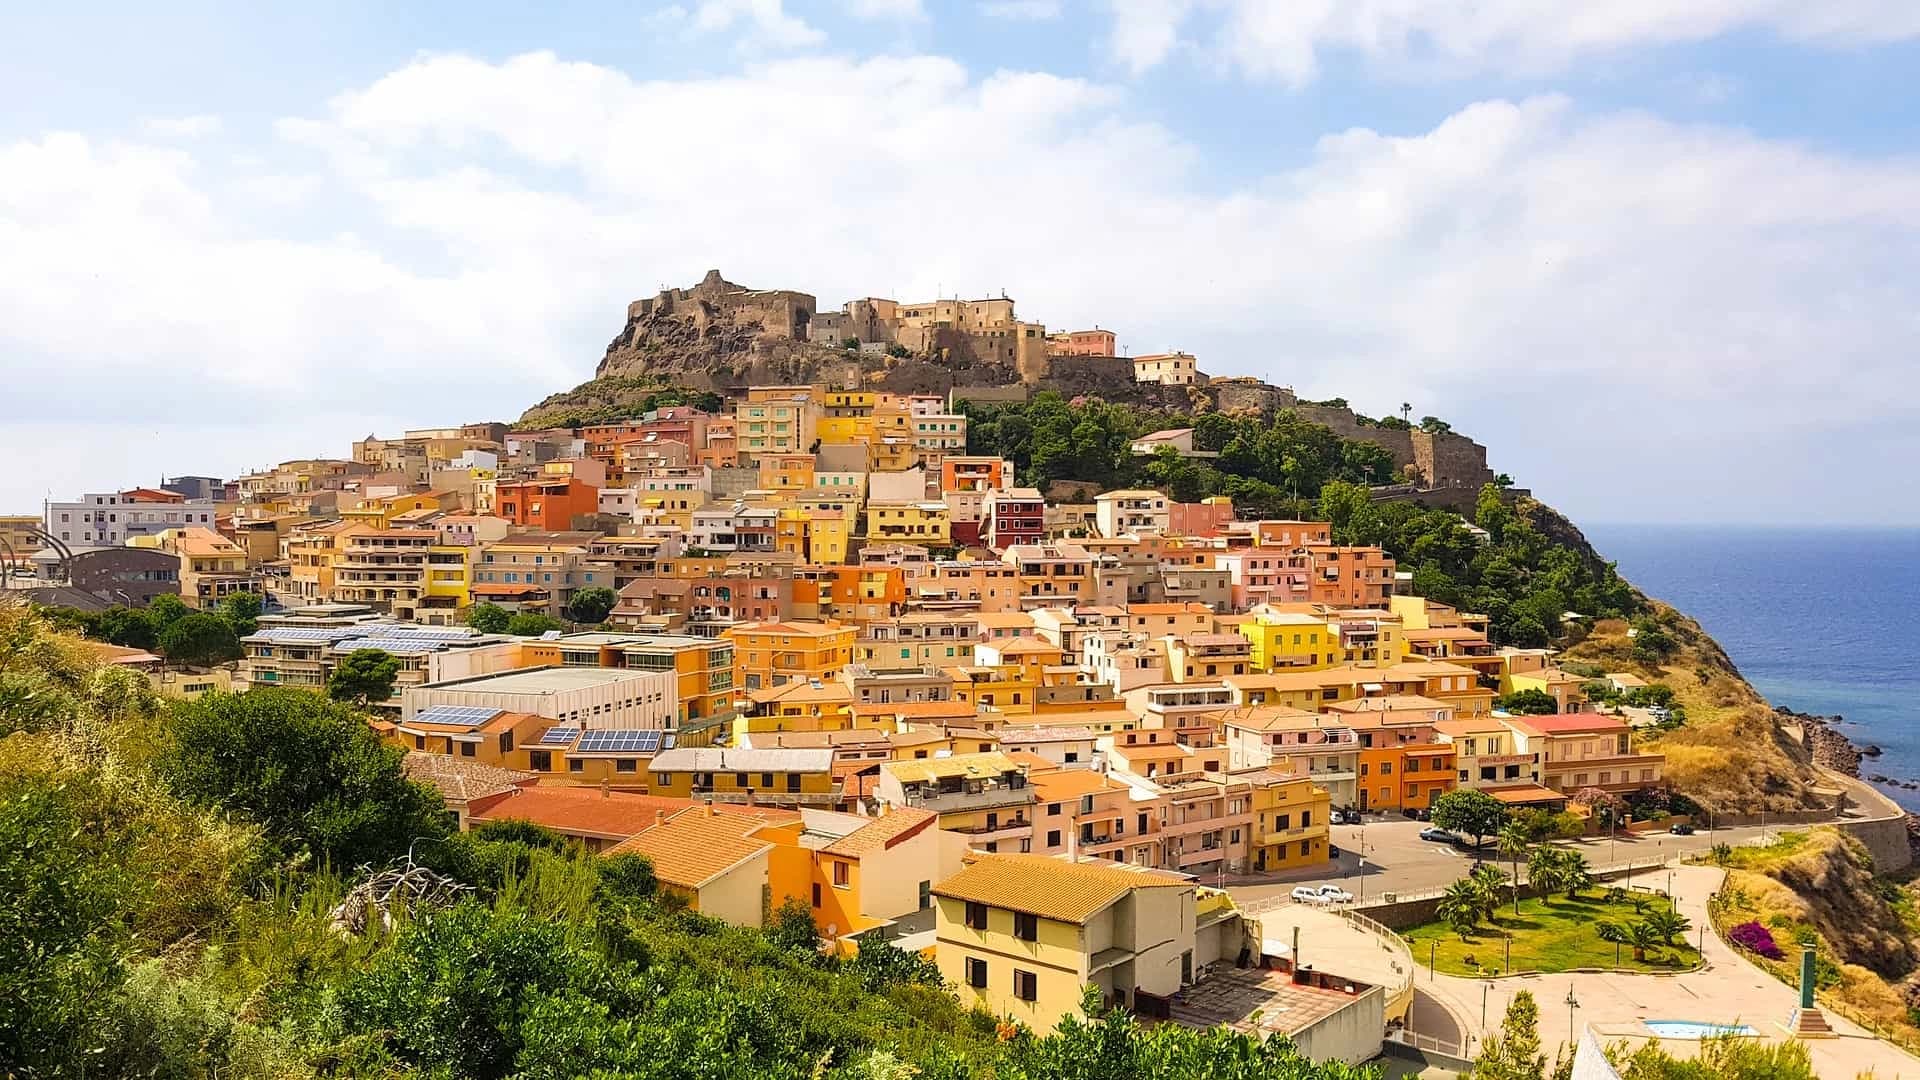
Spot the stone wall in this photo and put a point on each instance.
(1242, 394)
(779, 312)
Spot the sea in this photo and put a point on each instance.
(1823, 621)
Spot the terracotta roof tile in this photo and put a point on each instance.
(896, 825)
(696, 846)
(1069, 892)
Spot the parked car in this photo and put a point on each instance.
(1347, 817)
(1682, 829)
(1410, 813)
(1321, 894)
(1437, 835)
(1333, 851)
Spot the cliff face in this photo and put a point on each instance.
(717, 334)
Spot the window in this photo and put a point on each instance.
(466, 749)
(576, 765)
(976, 915)
(1053, 838)
(1026, 985)
(625, 764)
(816, 894)
(976, 973)
(1053, 809)
(1026, 927)
(926, 895)
(540, 760)
(1306, 818)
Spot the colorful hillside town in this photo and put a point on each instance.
(803, 648)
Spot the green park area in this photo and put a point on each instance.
(1599, 929)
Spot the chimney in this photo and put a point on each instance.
(606, 789)
(659, 817)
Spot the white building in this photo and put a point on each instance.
(1135, 512)
(588, 697)
(110, 520)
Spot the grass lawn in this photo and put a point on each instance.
(1557, 935)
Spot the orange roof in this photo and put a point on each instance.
(1034, 762)
(916, 709)
(585, 811)
(899, 824)
(1567, 724)
(1521, 794)
(1064, 784)
(696, 846)
(1158, 752)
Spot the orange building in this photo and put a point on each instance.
(864, 594)
(548, 505)
(1349, 577)
(776, 653)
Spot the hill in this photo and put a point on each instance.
(174, 879)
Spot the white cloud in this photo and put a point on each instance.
(1595, 296)
(180, 127)
(886, 9)
(756, 24)
(1021, 10)
(1286, 41)
(1145, 31)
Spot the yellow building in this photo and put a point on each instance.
(801, 777)
(1009, 689)
(776, 420)
(910, 522)
(1022, 935)
(773, 654)
(1289, 641)
(786, 472)
(703, 668)
(1290, 819)
(212, 567)
(449, 579)
(797, 706)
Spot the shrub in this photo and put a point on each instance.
(1756, 939)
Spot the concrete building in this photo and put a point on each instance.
(1022, 935)
(592, 698)
(113, 518)
(1134, 512)
(1167, 369)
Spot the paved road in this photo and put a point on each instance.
(1397, 861)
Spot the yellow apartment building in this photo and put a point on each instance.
(799, 705)
(914, 523)
(799, 777)
(1289, 641)
(774, 654)
(776, 420)
(1021, 935)
(1290, 820)
(786, 472)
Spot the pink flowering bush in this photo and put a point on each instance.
(1756, 939)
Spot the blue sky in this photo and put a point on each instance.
(1660, 258)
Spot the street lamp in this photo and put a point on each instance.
(1484, 987)
(1572, 1004)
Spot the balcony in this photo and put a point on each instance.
(956, 801)
(1005, 830)
(770, 798)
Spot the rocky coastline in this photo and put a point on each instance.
(1833, 750)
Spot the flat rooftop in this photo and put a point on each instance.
(1256, 1001)
(547, 680)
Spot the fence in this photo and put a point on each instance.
(1400, 995)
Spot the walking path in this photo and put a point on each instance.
(1728, 990)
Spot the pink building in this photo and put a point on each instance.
(1264, 575)
(1209, 517)
(1083, 813)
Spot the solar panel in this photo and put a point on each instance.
(461, 715)
(618, 742)
(558, 736)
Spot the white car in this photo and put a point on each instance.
(1322, 894)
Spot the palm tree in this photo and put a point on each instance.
(1667, 924)
(1460, 906)
(1613, 934)
(1641, 936)
(1513, 844)
(1543, 872)
(1575, 874)
(1488, 879)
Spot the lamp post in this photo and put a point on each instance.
(1432, 948)
(1572, 1004)
(1484, 987)
(1673, 902)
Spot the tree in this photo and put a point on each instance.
(307, 770)
(1460, 907)
(488, 618)
(532, 624)
(1724, 1057)
(363, 677)
(1470, 812)
(166, 609)
(1528, 702)
(1575, 875)
(242, 610)
(128, 627)
(1514, 1053)
(1613, 933)
(793, 926)
(1641, 937)
(1512, 842)
(1488, 880)
(591, 604)
(1545, 871)
(199, 639)
(1434, 425)
(1668, 924)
